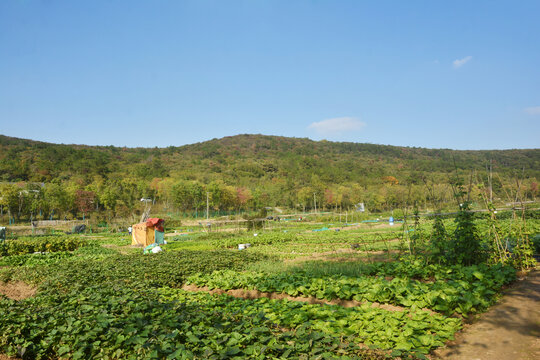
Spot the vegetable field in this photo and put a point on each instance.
(99, 298)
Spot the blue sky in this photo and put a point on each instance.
(438, 74)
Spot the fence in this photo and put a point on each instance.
(202, 214)
(59, 222)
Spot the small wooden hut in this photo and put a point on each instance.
(148, 232)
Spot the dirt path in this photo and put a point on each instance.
(16, 290)
(255, 294)
(5, 357)
(509, 330)
(376, 255)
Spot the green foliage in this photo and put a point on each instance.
(94, 303)
(536, 243)
(163, 269)
(240, 172)
(522, 255)
(438, 243)
(465, 290)
(118, 323)
(367, 240)
(125, 307)
(465, 247)
(417, 238)
(256, 221)
(377, 327)
(34, 259)
(48, 244)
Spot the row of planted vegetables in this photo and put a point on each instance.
(93, 302)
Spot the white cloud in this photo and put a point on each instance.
(337, 125)
(460, 62)
(534, 110)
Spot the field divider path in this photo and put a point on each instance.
(5, 357)
(17, 290)
(256, 294)
(509, 330)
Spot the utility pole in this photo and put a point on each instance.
(207, 206)
(491, 181)
(489, 170)
(315, 202)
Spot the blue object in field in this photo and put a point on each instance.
(159, 237)
(148, 249)
(323, 229)
(391, 219)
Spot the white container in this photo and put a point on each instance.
(243, 246)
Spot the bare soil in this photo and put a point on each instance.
(377, 255)
(5, 357)
(255, 294)
(509, 330)
(16, 290)
(122, 249)
(367, 225)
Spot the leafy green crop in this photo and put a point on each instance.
(114, 322)
(417, 331)
(95, 303)
(41, 244)
(34, 259)
(327, 237)
(468, 291)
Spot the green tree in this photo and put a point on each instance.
(188, 195)
(57, 198)
(110, 195)
(9, 198)
(438, 241)
(465, 247)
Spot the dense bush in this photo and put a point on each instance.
(50, 244)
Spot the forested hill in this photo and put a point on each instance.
(248, 160)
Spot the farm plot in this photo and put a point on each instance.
(299, 244)
(121, 307)
(464, 291)
(95, 301)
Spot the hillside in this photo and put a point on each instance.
(257, 170)
(244, 158)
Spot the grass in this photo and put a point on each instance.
(324, 268)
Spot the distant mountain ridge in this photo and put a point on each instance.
(243, 159)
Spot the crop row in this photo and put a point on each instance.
(273, 238)
(417, 269)
(417, 331)
(114, 322)
(35, 259)
(134, 271)
(448, 297)
(44, 244)
(92, 251)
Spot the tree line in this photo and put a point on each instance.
(41, 180)
(122, 197)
